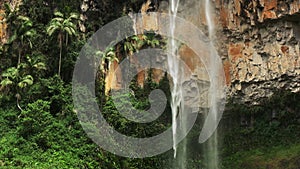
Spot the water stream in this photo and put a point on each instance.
(176, 91)
(211, 154)
(177, 101)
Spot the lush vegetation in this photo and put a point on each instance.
(40, 129)
(263, 136)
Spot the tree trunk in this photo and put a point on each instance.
(19, 56)
(18, 98)
(60, 53)
(67, 39)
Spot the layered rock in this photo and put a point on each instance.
(262, 44)
(258, 41)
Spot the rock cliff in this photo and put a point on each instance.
(262, 46)
(258, 41)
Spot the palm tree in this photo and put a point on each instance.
(19, 78)
(21, 28)
(64, 27)
(24, 32)
(14, 78)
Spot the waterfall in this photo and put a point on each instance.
(173, 65)
(211, 154)
(177, 101)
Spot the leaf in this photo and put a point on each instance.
(74, 15)
(68, 23)
(99, 53)
(40, 66)
(23, 18)
(111, 54)
(10, 73)
(51, 29)
(136, 38)
(57, 20)
(30, 44)
(30, 33)
(128, 46)
(27, 80)
(12, 38)
(59, 14)
(22, 66)
(70, 31)
(6, 82)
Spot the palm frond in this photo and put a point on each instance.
(6, 82)
(73, 15)
(11, 72)
(23, 18)
(70, 30)
(57, 19)
(40, 66)
(57, 13)
(26, 81)
(51, 29)
(12, 38)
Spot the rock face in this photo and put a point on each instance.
(14, 4)
(3, 26)
(262, 43)
(258, 41)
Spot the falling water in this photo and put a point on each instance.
(211, 154)
(177, 102)
(173, 64)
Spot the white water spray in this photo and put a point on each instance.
(177, 102)
(173, 63)
(211, 154)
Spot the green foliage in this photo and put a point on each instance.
(278, 157)
(65, 28)
(62, 24)
(137, 42)
(34, 119)
(46, 132)
(107, 57)
(24, 32)
(139, 100)
(13, 76)
(275, 124)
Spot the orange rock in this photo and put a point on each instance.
(141, 78)
(224, 16)
(113, 78)
(270, 4)
(3, 27)
(284, 49)
(235, 51)
(227, 68)
(269, 15)
(145, 7)
(158, 74)
(294, 7)
(237, 6)
(189, 57)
